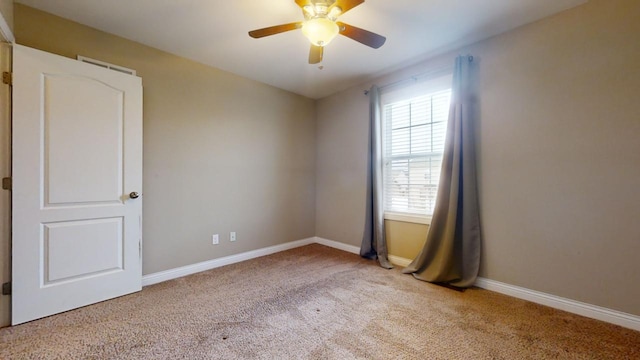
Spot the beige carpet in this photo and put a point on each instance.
(314, 303)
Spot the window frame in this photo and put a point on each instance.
(426, 87)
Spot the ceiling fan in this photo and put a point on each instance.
(321, 26)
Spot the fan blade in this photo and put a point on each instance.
(315, 54)
(346, 5)
(274, 30)
(362, 36)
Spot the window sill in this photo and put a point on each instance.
(410, 218)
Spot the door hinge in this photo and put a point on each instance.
(7, 78)
(6, 183)
(6, 288)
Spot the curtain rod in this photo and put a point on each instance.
(417, 76)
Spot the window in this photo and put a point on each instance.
(414, 128)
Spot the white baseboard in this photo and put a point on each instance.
(338, 245)
(557, 302)
(576, 307)
(396, 260)
(171, 274)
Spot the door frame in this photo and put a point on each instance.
(5, 195)
(6, 40)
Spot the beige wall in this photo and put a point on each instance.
(558, 150)
(404, 239)
(340, 166)
(221, 153)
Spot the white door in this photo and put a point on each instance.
(77, 158)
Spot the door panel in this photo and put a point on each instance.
(99, 128)
(78, 249)
(77, 154)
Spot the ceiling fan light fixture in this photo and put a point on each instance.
(320, 31)
(334, 13)
(321, 26)
(309, 11)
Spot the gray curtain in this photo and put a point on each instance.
(451, 254)
(374, 244)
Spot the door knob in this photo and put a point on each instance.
(134, 195)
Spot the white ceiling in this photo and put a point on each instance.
(214, 32)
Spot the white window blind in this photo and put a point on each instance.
(414, 129)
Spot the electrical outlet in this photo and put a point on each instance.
(215, 239)
(232, 236)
